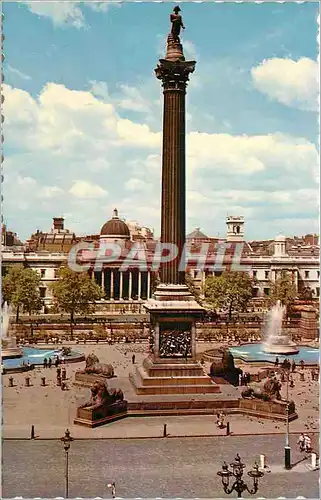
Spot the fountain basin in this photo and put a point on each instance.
(255, 352)
(12, 353)
(286, 349)
(35, 356)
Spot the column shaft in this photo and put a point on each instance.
(148, 284)
(103, 280)
(139, 284)
(111, 284)
(173, 181)
(120, 285)
(130, 284)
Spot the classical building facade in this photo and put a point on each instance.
(130, 279)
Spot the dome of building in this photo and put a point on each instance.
(280, 237)
(115, 227)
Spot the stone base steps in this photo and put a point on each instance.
(201, 387)
(172, 369)
(147, 380)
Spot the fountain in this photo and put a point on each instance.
(277, 341)
(276, 344)
(8, 343)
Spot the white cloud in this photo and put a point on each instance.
(67, 13)
(84, 189)
(24, 192)
(247, 155)
(293, 83)
(190, 51)
(138, 185)
(17, 72)
(137, 134)
(133, 100)
(61, 13)
(99, 89)
(102, 6)
(71, 138)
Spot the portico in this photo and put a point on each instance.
(117, 284)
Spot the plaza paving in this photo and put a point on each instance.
(51, 410)
(166, 468)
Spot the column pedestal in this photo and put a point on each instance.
(171, 367)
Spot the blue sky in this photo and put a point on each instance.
(83, 115)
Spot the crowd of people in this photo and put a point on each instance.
(175, 344)
(48, 363)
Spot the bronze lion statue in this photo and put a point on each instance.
(268, 391)
(94, 367)
(101, 396)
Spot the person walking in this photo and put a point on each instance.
(307, 443)
(49, 362)
(133, 359)
(276, 363)
(63, 374)
(293, 366)
(56, 362)
(301, 441)
(45, 362)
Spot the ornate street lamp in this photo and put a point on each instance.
(237, 472)
(287, 448)
(66, 439)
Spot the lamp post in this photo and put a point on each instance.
(287, 448)
(237, 472)
(66, 439)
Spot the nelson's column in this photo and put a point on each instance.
(171, 367)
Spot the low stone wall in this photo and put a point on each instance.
(254, 407)
(208, 332)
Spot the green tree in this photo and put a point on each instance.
(192, 288)
(75, 293)
(155, 281)
(282, 289)
(21, 288)
(231, 291)
(9, 282)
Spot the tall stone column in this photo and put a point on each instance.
(172, 366)
(174, 73)
(148, 285)
(120, 285)
(130, 284)
(139, 284)
(112, 284)
(103, 280)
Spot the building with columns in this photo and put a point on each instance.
(129, 289)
